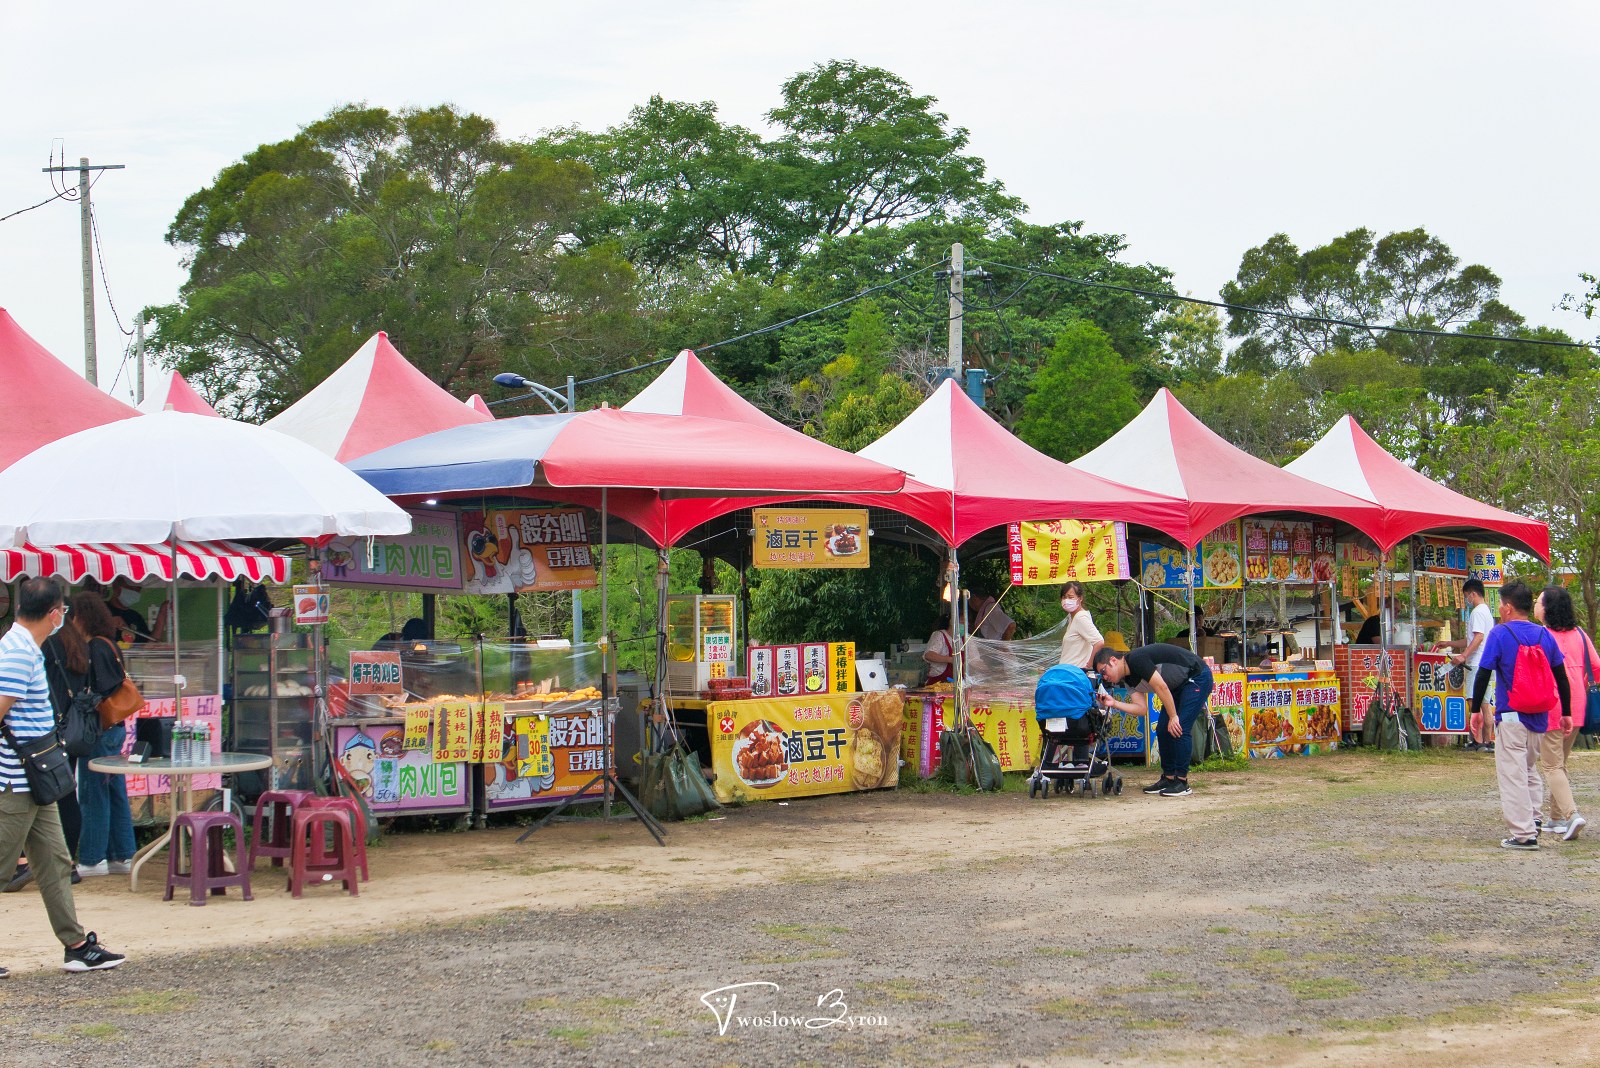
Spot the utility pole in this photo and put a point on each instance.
(90, 368)
(138, 359)
(957, 276)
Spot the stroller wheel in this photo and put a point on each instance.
(1116, 787)
(1033, 788)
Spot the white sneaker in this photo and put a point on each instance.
(119, 867)
(1559, 827)
(1574, 825)
(85, 871)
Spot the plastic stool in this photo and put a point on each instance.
(279, 805)
(358, 820)
(207, 856)
(312, 856)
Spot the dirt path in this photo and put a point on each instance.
(1351, 909)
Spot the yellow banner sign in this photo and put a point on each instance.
(534, 758)
(419, 727)
(810, 538)
(452, 732)
(801, 746)
(1011, 726)
(1054, 552)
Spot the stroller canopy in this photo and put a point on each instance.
(1063, 690)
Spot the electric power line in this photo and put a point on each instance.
(42, 203)
(827, 307)
(1294, 316)
(105, 283)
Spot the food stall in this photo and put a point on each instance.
(430, 727)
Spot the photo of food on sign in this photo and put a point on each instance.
(843, 539)
(758, 754)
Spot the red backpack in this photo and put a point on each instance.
(1533, 682)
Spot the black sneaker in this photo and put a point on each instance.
(1471, 747)
(1519, 843)
(22, 877)
(1177, 788)
(4, 974)
(1157, 786)
(75, 877)
(1489, 748)
(91, 956)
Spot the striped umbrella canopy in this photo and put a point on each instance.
(143, 563)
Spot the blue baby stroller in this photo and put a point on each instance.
(1076, 754)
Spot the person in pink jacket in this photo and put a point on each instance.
(1554, 610)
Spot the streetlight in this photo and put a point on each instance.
(556, 402)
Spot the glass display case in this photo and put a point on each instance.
(274, 704)
(702, 641)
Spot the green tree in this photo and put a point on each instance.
(424, 223)
(1080, 396)
(1538, 454)
(1408, 278)
(897, 597)
(858, 148)
(862, 417)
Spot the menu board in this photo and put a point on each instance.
(1217, 563)
(1291, 715)
(1053, 552)
(1221, 559)
(1286, 551)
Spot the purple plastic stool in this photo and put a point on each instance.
(278, 806)
(208, 856)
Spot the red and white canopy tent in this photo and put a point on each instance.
(375, 399)
(174, 391)
(41, 398)
(139, 564)
(479, 405)
(689, 387)
(1347, 459)
(1166, 450)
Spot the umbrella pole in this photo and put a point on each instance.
(177, 663)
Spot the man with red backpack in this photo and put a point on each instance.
(1527, 663)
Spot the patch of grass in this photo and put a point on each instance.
(904, 990)
(1057, 951)
(580, 1037)
(1374, 1025)
(151, 1002)
(1323, 988)
(1064, 1009)
(1219, 763)
(439, 1045)
(1219, 930)
(799, 932)
(101, 1031)
(794, 958)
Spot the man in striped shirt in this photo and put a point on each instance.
(26, 713)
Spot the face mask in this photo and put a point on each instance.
(1070, 604)
(60, 624)
(127, 597)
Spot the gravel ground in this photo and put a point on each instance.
(1349, 909)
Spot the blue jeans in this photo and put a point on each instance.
(1192, 698)
(107, 820)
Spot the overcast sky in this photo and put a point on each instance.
(1195, 129)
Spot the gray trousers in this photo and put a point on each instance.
(37, 829)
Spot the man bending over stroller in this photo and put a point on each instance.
(1182, 681)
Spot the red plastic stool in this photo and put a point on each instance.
(358, 820)
(279, 806)
(208, 855)
(313, 857)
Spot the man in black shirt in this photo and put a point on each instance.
(1182, 682)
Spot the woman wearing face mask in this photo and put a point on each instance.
(105, 844)
(1082, 639)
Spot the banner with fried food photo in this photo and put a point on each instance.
(805, 746)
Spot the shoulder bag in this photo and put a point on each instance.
(79, 724)
(121, 702)
(1591, 714)
(45, 765)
